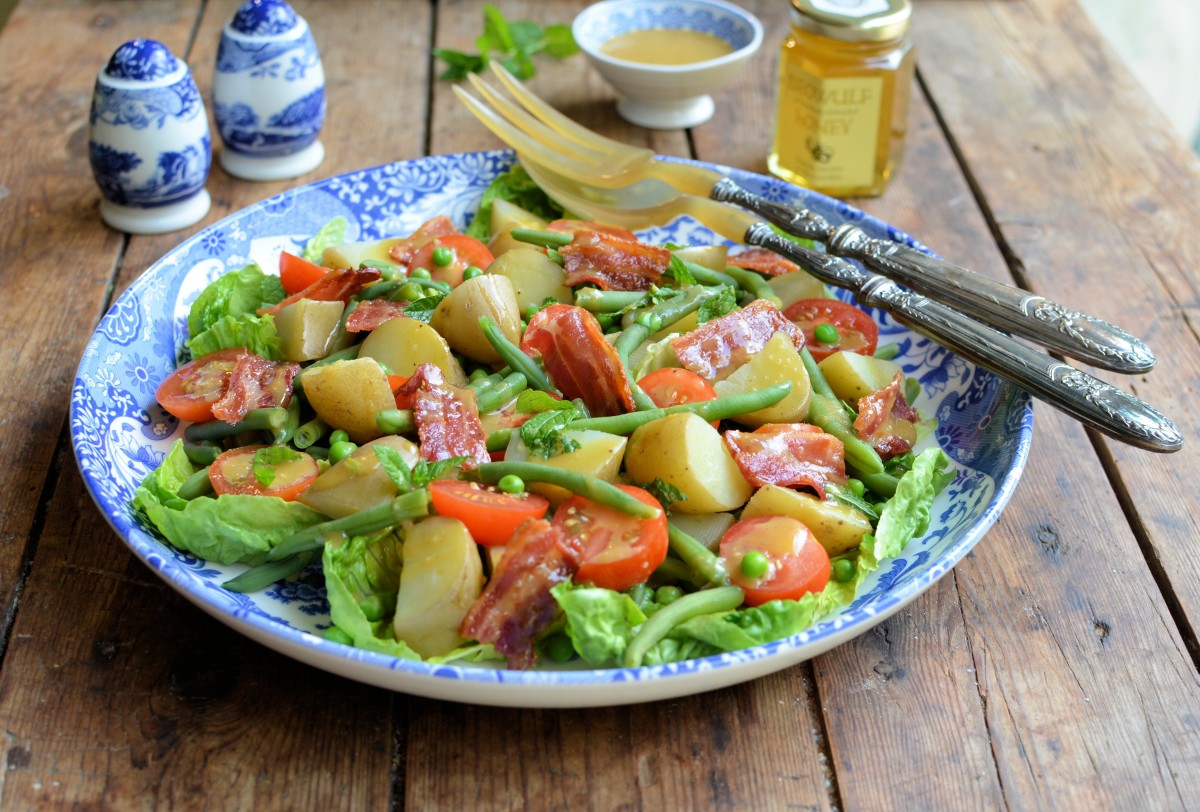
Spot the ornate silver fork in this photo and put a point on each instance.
(633, 178)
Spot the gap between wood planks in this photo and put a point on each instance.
(1103, 453)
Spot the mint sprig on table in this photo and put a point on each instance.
(512, 44)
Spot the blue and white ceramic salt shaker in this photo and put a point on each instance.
(269, 93)
(148, 141)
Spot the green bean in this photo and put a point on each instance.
(607, 301)
(198, 484)
(710, 410)
(825, 410)
(309, 433)
(395, 421)
(707, 276)
(700, 559)
(673, 309)
(272, 418)
(498, 440)
(672, 569)
(379, 290)
(660, 624)
(515, 357)
(348, 354)
(496, 396)
(399, 509)
(591, 487)
(291, 425)
(203, 453)
(546, 239)
(881, 483)
(630, 339)
(481, 381)
(264, 575)
(752, 282)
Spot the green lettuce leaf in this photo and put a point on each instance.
(235, 294)
(731, 631)
(331, 234)
(365, 571)
(600, 622)
(517, 187)
(255, 333)
(906, 515)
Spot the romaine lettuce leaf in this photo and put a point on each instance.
(255, 333)
(331, 234)
(517, 187)
(366, 567)
(600, 622)
(234, 294)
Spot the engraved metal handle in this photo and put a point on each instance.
(1085, 398)
(1008, 308)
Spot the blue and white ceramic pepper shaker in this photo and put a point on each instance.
(269, 93)
(148, 141)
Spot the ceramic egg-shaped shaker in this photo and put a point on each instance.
(269, 93)
(148, 141)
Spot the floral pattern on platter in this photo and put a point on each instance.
(637, 15)
(119, 435)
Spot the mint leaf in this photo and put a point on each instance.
(396, 468)
(511, 43)
(678, 269)
(265, 460)
(425, 471)
(542, 433)
(666, 493)
(533, 401)
(458, 64)
(422, 309)
(714, 307)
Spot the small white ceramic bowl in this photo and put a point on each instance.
(667, 96)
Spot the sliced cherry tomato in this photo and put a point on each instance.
(297, 273)
(856, 331)
(619, 550)
(244, 471)
(672, 386)
(190, 391)
(490, 515)
(796, 562)
(465, 252)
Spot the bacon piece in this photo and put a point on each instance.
(336, 285)
(255, 383)
(576, 226)
(403, 252)
(371, 313)
(789, 454)
(578, 360)
(714, 350)
(881, 418)
(763, 261)
(517, 605)
(447, 418)
(612, 262)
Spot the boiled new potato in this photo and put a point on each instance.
(838, 527)
(505, 217)
(599, 454)
(777, 362)
(403, 344)
(306, 329)
(354, 254)
(852, 376)
(684, 450)
(706, 528)
(534, 276)
(457, 316)
(792, 287)
(358, 481)
(349, 394)
(442, 577)
(712, 257)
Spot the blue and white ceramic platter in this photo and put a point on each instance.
(120, 435)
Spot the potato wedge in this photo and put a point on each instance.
(534, 276)
(686, 451)
(838, 527)
(712, 257)
(706, 528)
(349, 394)
(457, 316)
(792, 287)
(442, 577)
(354, 254)
(307, 328)
(777, 362)
(402, 345)
(852, 376)
(358, 481)
(599, 454)
(505, 217)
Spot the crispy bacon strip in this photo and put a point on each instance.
(612, 262)
(789, 454)
(371, 313)
(336, 285)
(517, 605)
(874, 416)
(578, 360)
(714, 350)
(447, 418)
(763, 261)
(404, 251)
(255, 383)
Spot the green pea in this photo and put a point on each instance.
(825, 333)
(471, 272)
(667, 595)
(651, 321)
(755, 564)
(412, 291)
(531, 311)
(844, 570)
(511, 484)
(442, 256)
(856, 487)
(420, 273)
(338, 436)
(335, 635)
(558, 647)
(339, 451)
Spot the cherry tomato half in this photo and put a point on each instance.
(796, 562)
(672, 386)
(464, 252)
(619, 550)
(856, 331)
(491, 516)
(242, 471)
(190, 391)
(297, 273)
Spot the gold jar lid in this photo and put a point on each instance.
(853, 20)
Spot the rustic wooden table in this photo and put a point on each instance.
(1056, 667)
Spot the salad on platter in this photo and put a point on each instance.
(541, 440)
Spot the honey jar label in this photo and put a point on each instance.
(828, 128)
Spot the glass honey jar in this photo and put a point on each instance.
(845, 77)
